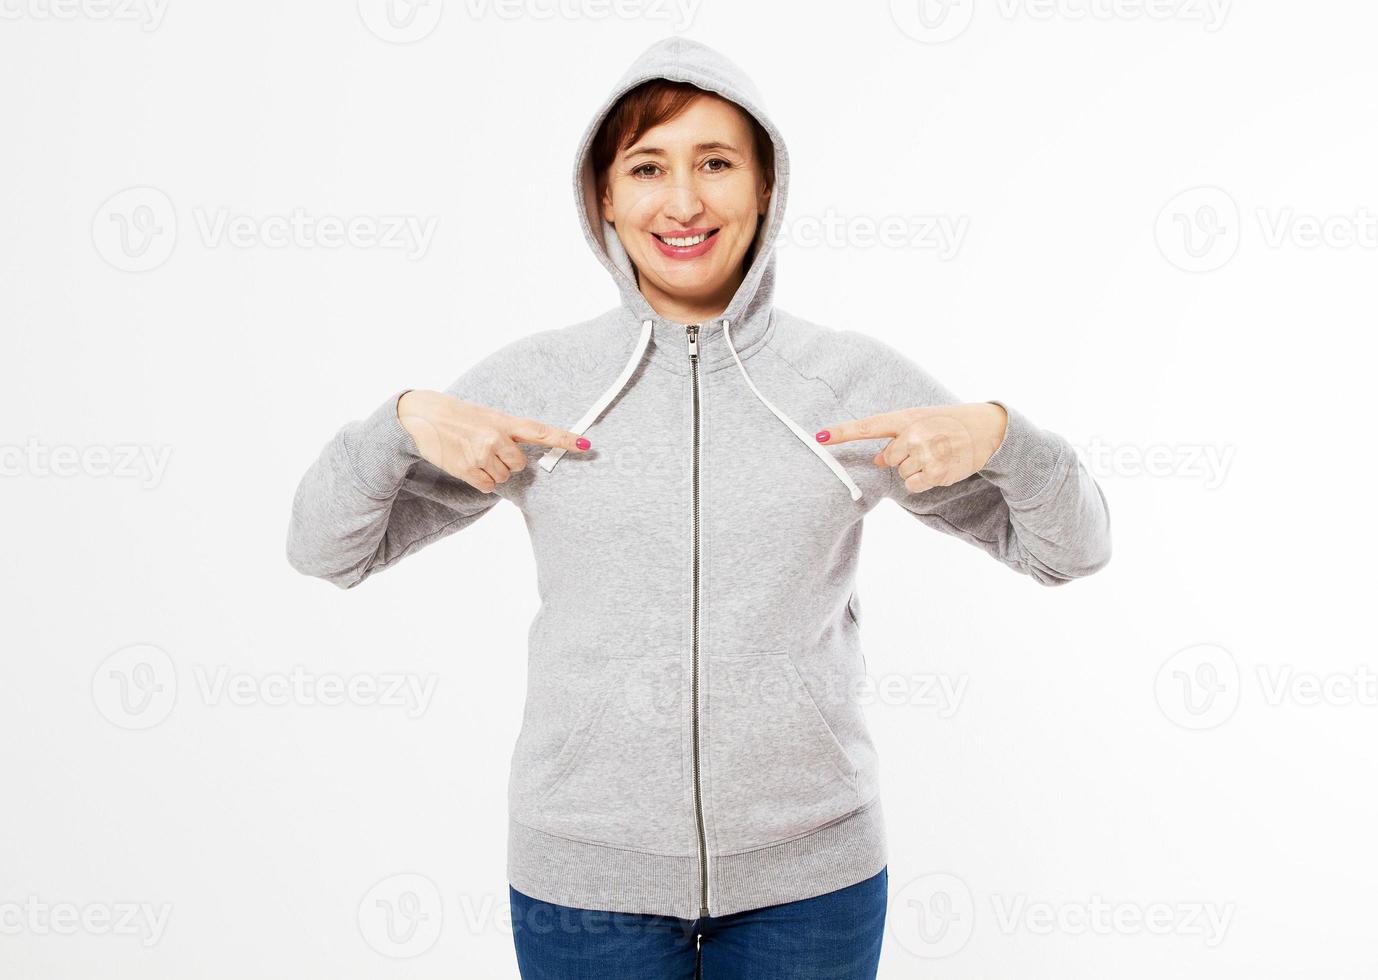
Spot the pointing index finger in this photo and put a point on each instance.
(538, 433)
(886, 425)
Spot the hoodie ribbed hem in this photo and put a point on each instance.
(584, 875)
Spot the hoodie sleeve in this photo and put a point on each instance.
(369, 499)
(1033, 506)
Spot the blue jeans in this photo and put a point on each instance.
(836, 935)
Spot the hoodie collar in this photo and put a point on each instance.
(669, 342)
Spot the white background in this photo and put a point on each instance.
(1145, 738)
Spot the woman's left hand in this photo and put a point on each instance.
(933, 446)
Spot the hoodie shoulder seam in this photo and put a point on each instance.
(897, 486)
(894, 476)
(769, 345)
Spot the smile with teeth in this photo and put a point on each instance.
(686, 242)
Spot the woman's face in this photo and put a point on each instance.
(691, 176)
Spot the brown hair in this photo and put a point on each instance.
(650, 104)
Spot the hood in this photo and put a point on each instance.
(746, 320)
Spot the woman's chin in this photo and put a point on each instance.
(687, 284)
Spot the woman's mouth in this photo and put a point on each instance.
(687, 244)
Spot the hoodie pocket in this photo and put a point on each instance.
(854, 610)
(777, 769)
(619, 777)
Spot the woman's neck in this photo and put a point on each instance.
(689, 309)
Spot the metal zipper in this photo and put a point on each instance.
(692, 331)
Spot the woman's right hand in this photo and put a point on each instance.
(479, 445)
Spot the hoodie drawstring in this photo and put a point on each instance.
(804, 437)
(549, 460)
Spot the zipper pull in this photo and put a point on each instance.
(693, 331)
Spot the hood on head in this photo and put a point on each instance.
(682, 60)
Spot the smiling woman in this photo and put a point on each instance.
(684, 753)
(670, 154)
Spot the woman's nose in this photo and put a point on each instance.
(684, 203)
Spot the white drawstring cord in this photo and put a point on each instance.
(804, 437)
(549, 460)
(552, 457)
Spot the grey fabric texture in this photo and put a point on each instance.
(603, 812)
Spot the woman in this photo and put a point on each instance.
(692, 788)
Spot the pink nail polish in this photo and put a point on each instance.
(822, 435)
(582, 443)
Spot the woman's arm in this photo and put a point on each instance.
(1032, 505)
(369, 499)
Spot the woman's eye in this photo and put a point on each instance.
(651, 169)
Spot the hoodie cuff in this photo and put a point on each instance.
(1027, 459)
(380, 451)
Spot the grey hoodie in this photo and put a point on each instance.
(689, 745)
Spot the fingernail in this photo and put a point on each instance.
(822, 435)
(582, 443)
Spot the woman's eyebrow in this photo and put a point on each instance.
(698, 148)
